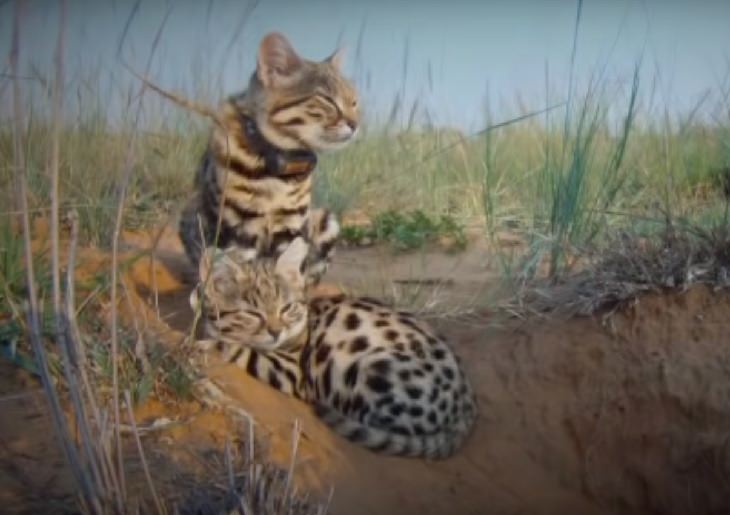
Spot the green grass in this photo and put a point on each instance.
(579, 180)
(407, 231)
(560, 188)
(565, 184)
(13, 288)
(92, 161)
(385, 170)
(162, 372)
(12, 272)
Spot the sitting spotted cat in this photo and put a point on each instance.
(377, 376)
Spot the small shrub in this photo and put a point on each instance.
(407, 231)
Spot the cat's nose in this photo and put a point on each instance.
(352, 124)
(274, 333)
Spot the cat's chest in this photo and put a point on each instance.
(272, 196)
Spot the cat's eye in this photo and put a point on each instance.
(289, 309)
(254, 317)
(327, 102)
(354, 103)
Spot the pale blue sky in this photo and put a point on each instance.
(458, 50)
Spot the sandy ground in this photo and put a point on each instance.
(622, 414)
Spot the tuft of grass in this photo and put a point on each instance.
(13, 287)
(580, 179)
(407, 231)
(90, 172)
(160, 372)
(560, 189)
(627, 265)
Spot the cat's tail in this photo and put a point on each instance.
(433, 446)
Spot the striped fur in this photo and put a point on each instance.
(379, 377)
(293, 107)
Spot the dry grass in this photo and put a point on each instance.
(676, 258)
(246, 486)
(93, 450)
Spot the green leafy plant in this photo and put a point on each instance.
(407, 231)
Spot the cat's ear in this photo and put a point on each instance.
(219, 274)
(290, 264)
(337, 58)
(278, 64)
(241, 256)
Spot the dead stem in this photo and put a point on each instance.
(57, 106)
(59, 421)
(229, 465)
(63, 333)
(71, 313)
(153, 272)
(140, 348)
(73, 219)
(140, 450)
(178, 99)
(126, 178)
(296, 434)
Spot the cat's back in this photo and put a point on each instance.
(387, 368)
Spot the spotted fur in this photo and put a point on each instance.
(292, 107)
(377, 376)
